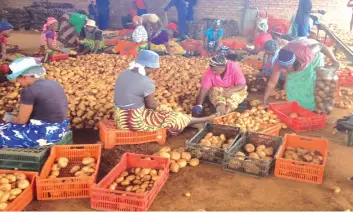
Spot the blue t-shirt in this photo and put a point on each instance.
(303, 13)
(210, 34)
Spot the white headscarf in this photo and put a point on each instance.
(141, 68)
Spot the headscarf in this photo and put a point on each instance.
(4, 25)
(217, 23)
(137, 20)
(218, 60)
(50, 21)
(145, 58)
(172, 26)
(262, 26)
(286, 58)
(271, 46)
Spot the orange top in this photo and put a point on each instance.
(140, 4)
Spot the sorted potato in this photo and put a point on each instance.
(325, 89)
(214, 141)
(304, 155)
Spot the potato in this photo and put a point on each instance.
(135, 187)
(3, 206)
(174, 167)
(88, 160)
(145, 171)
(75, 169)
(268, 151)
(175, 156)
(182, 163)
(12, 197)
(260, 148)
(140, 190)
(80, 174)
(153, 172)
(124, 174)
(146, 178)
(194, 162)
(261, 153)
(160, 172)
(15, 191)
(4, 197)
(186, 156)
(144, 186)
(55, 167)
(254, 155)
(63, 162)
(4, 181)
(92, 165)
(165, 149)
(164, 154)
(125, 182)
(5, 187)
(240, 156)
(20, 176)
(308, 157)
(249, 148)
(113, 186)
(130, 177)
(55, 173)
(137, 182)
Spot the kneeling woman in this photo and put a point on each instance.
(42, 116)
(135, 106)
(224, 83)
(91, 39)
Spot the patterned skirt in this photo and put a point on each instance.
(148, 120)
(33, 134)
(91, 43)
(217, 97)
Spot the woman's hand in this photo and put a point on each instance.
(335, 63)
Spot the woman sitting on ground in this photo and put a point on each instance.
(136, 108)
(5, 32)
(224, 83)
(262, 37)
(164, 41)
(48, 40)
(42, 116)
(91, 39)
(213, 39)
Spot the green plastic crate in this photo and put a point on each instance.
(28, 159)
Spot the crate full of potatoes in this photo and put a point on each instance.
(209, 144)
(253, 154)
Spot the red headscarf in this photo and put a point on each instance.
(172, 26)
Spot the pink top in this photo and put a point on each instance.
(302, 51)
(233, 76)
(261, 39)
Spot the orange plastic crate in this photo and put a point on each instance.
(345, 78)
(111, 42)
(256, 64)
(105, 199)
(192, 45)
(26, 196)
(125, 32)
(58, 57)
(66, 186)
(111, 136)
(271, 130)
(228, 43)
(307, 120)
(297, 170)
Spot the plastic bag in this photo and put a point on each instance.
(325, 89)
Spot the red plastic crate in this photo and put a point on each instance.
(307, 120)
(58, 57)
(239, 46)
(345, 78)
(104, 199)
(26, 196)
(111, 42)
(111, 136)
(328, 42)
(298, 170)
(228, 43)
(66, 186)
(192, 45)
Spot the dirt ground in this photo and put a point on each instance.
(212, 188)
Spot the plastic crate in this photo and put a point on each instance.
(255, 167)
(207, 154)
(228, 43)
(27, 159)
(297, 170)
(26, 196)
(4, 68)
(192, 45)
(67, 140)
(345, 78)
(307, 120)
(273, 129)
(111, 41)
(58, 57)
(111, 136)
(327, 42)
(66, 186)
(125, 32)
(239, 46)
(256, 64)
(105, 199)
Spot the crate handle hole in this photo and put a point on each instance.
(306, 139)
(77, 147)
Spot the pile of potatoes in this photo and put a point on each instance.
(11, 186)
(220, 141)
(325, 90)
(255, 152)
(137, 180)
(10, 98)
(279, 94)
(254, 120)
(87, 168)
(304, 155)
(344, 99)
(179, 158)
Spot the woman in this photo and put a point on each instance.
(181, 7)
(163, 41)
(139, 38)
(300, 60)
(91, 39)
(42, 117)
(224, 83)
(136, 108)
(48, 39)
(5, 32)
(262, 37)
(213, 39)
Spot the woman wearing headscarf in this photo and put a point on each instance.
(5, 32)
(42, 116)
(139, 38)
(213, 39)
(164, 41)
(224, 83)
(48, 39)
(136, 108)
(299, 59)
(91, 39)
(262, 37)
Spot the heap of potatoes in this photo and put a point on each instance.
(303, 155)
(279, 94)
(344, 99)
(11, 186)
(137, 180)
(254, 120)
(220, 141)
(86, 169)
(179, 158)
(10, 97)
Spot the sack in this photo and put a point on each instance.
(325, 89)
